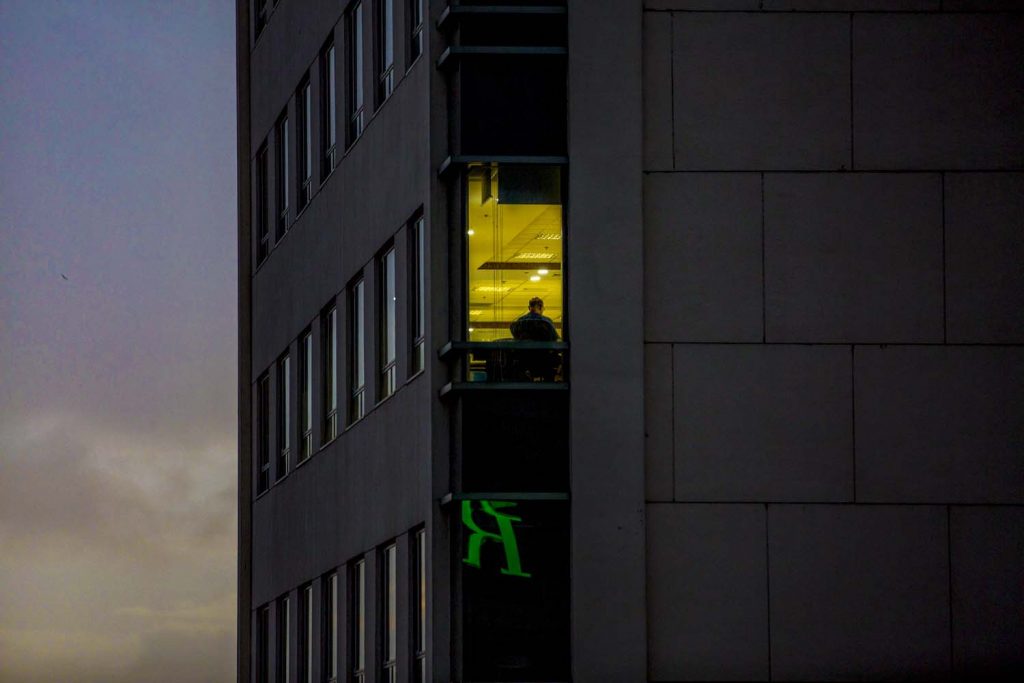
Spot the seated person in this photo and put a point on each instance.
(536, 365)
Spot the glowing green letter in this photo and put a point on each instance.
(506, 535)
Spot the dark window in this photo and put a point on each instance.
(306, 634)
(305, 396)
(330, 629)
(262, 8)
(388, 601)
(415, 30)
(283, 647)
(328, 110)
(354, 74)
(384, 39)
(417, 295)
(329, 380)
(356, 351)
(304, 136)
(263, 644)
(284, 413)
(386, 300)
(357, 621)
(419, 605)
(262, 205)
(281, 155)
(263, 433)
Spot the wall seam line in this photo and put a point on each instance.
(949, 569)
(853, 415)
(852, 147)
(768, 587)
(945, 306)
(764, 274)
(672, 84)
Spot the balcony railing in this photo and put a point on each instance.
(506, 365)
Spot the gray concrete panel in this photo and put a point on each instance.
(658, 421)
(938, 91)
(853, 258)
(987, 557)
(940, 424)
(707, 592)
(858, 592)
(716, 5)
(657, 41)
(702, 257)
(984, 257)
(763, 423)
(761, 91)
(606, 407)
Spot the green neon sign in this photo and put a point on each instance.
(506, 535)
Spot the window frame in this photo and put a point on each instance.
(329, 631)
(283, 674)
(356, 619)
(329, 371)
(418, 603)
(284, 414)
(305, 640)
(415, 14)
(354, 70)
(282, 172)
(387, 611)
(384, 50)
(417, 294)
(262, 204)
(263, 644)
(328, 109)
(304, 144)
(357, 349)
(305, 422)
(387, 321)
(263, 433)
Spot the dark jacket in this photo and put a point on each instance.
(534, 327)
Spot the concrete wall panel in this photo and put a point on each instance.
(763, 423)
(702, 257)
(852, 5)
(940, 424)
(938, 91)
(988, 594)
(657, 91)
(707, 592)
(716, 5)
(985, 257)
(658, 421)
(858, 592)
(761, 91)
(853, 258)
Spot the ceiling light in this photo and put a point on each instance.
(534, 255)
(534, 278)
(471, 329)
(542, 271)
(470, 232)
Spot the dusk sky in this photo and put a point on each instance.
(117, 384)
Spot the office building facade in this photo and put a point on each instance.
(769, 422)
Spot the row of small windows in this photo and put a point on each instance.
(287, 652)
(386, 314)
(384, 41)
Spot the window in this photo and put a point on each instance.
(284, 413)
(283, 630)
(262, 434)
(304, 136)
(306, 634)
(354, 75)
(385, 46)
(514, 285)
(357, 621)
(305, 396)
(330, 630)
(417, 280)
(281, 154)
(419, 605)
(262, 11)
(356, 348)
(263, 644)
(386, 316)
(328, 110)
(415, 29)
(262, 205)
(388, 593)
(329, 382)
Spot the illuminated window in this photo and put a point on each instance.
(284, 413)
(354, 74)
(417, 298)
(284, 654)
(415, 29)
(329, 380)
(281, 155)
(385, 45)
(330, 629)
(262, 205)
(357, 621)
(419, 605)
(263, 644)
(328, 110)
(304, 137)
(262, 433)
(356, 350)
(305, 396)
(388, 593)
(306, 634)
(386, 315)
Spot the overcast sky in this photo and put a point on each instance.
(117, 384)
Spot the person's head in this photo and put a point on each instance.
(536, 305)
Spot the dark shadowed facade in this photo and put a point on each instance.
(780, 434)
